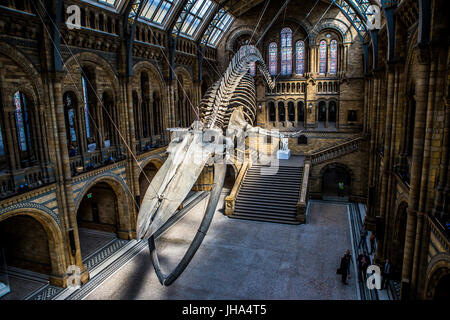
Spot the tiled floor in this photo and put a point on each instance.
(244, 260)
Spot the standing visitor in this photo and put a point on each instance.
(372, 243)
(340, 189)
(363, 264)
(386, 273)
(348, 256)
(363, 236)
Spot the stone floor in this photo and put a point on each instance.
(244, 260)
(93, 240)
(21, 288)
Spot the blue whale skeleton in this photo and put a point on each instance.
(230, 103)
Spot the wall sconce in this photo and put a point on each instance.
(260, 107)
(310, 106)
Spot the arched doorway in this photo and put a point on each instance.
(300, 113)
(146, 176)
(442, 290)
(230, 178)
(398, 239)
(332, 114)
(33, 250)
(97, 218)
(322, 114)
(332, 175)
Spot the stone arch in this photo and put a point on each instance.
(122, 193)
(184, 96)
(335, 24)
(95, 61)
(397, 242)
(55, 238)
(147, 172)
(155, 75)
(235, 34)
(27, 66)
(438, 269)
(347, 177)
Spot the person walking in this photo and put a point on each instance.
(363, 235)
(348, 256)
(386, 273)
(372, 243)
(343, 269)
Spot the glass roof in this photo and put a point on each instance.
(194, 17)
(157, 11)
(112, 3)
(217, 28)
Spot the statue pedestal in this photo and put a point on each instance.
(283, 154)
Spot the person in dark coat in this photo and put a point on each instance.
(363, 264)
(344, 269)
(372, 243)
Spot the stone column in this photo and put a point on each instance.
(386, 162)
(421, 90)
(64, 191)
(421, 236)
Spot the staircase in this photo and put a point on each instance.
(271, 198)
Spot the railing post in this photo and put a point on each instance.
(303, 198)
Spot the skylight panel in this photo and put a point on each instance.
(157, 11)
(219, 25)
(194, 17)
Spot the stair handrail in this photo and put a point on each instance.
(303, 193)
(230, 200)
(318, 155)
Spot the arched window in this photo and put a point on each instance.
(286, 51)
(300, 57)
(273, 48)
(272, 112)
(2, 145)
(23, 126)
(300, 111)
(323, 57)
(291, 111)
(71, 123)
(333, 57)
(156, 113)
(108, 116)
(281, 112)
(87, 117)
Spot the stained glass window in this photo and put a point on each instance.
(286, 51)
(86, 108)
(273, 48)
(2, 146)
(253, 68)
(71, 119)
(323, 56)
(22, 121)
(333, 56)
(300, 57)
